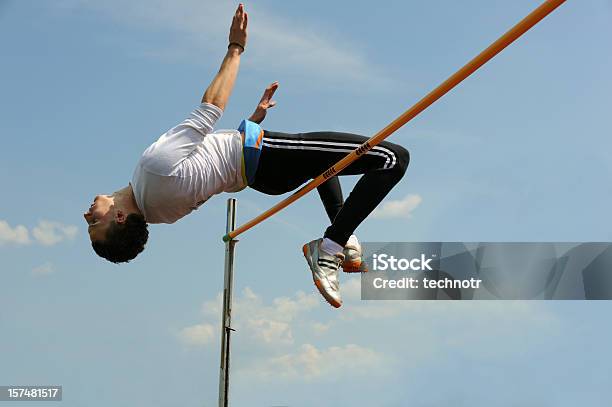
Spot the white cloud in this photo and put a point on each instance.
(198, 335)
(270, 332)
(46, 233)
(291, 339)
(402, 208)
(43, 269)
(310, 363)
(212, 308)
(266, 324)
(17, 235)
(271, 324)
(195, 27)
(49, 233)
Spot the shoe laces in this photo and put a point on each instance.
(338, 258)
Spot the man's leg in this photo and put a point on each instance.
(289, 160)
(330, 193)
(369, 191)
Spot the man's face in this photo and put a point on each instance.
(99, 216)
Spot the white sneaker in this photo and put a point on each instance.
(353, 262)
(324, 268)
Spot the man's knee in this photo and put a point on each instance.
(402, 157)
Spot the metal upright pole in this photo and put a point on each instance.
(226, 318)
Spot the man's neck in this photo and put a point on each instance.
(124, 199)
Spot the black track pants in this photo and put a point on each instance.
(289, 160)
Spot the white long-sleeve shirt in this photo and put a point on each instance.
(186, 166)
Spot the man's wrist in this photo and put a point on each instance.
(254, 120)
(234, 46)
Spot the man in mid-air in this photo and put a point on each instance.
(190, 163)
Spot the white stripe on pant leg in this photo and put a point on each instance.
(310, 145)
(331, 150)
(391, 153)
(327, 143)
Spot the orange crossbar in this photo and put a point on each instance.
(509, 37)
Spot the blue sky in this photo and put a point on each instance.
(518, 152)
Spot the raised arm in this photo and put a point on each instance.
(218, 92)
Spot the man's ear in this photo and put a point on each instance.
(120, 216)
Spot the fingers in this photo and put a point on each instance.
(238, 32)
(241, 17)
(266, 101)
(265, 105)
(271, 89)
(238, 13)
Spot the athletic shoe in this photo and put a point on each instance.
(324, 268)
(353, 262)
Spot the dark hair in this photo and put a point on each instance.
(123, 241)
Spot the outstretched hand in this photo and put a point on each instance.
(238, 30)
(265, 103)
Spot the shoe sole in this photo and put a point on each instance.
(317, 283)
(354, 267)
